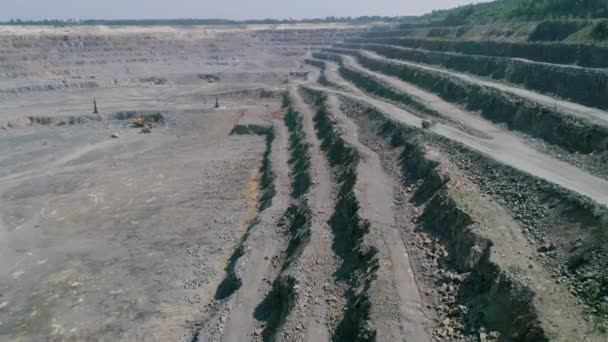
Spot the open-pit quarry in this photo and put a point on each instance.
(300, 182)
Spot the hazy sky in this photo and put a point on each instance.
(229, 9)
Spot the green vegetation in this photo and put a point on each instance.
(512, 10)
(571, 31)
(604, 227)
(534, 9)
(600, 30)
(555, 30)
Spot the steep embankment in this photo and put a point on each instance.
(280, 302)
(427, 104)
(252, 261)
(584, 133)
(557, 53)
(398, 311)
(583, 85)
(564, 31)
(243, 286)
(479, 238)
(527, 159)
(317, 309)
(359, 262)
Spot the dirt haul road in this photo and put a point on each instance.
(593, 114)
(396, 277)
(502, 146)
(113, 233)
(289, 210)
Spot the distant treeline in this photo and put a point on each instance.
(512, 10)
(191, 22)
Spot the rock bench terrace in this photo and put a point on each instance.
(304, 182)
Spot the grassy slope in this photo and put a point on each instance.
(569, 21)
(515, 10)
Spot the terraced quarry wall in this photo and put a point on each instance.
(569, 31)
(373, 84)
(585, 86)
(360, 262)
(302, 183)
(558, 53)
(554, 127)
(468, 248)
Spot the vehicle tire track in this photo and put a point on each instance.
(502, 148)
(263, 243)
(398, 311)
(595, 115)
(317, 310)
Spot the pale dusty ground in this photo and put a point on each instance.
(94, 242)
(399, 307)
(502, 145)
(595, 115)
(126, 238)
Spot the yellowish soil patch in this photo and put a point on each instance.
(252, 196)
(278, 114)
(157, 328)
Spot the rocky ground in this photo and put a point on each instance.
(258, 184)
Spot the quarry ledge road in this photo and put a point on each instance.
(522, 157)
(595, 115)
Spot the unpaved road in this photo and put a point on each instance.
(89, 242)
(319, 261)
(462, 54)
(261, 245)
(594, 115)
(502, 147)
(429, 99)
(128, 238)
(399, 315)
